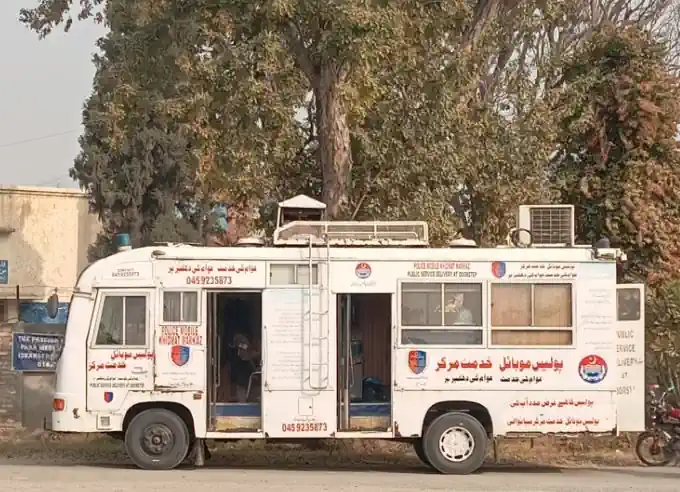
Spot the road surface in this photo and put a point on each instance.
(37, 478)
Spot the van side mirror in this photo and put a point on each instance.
(53, 306)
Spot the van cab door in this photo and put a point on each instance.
(120, 358)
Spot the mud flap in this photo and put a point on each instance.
(199, 452)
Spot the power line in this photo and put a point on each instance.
(36, 139)
(57, 178)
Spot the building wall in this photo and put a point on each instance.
(44, 237)
(44, 234)
(9, 402)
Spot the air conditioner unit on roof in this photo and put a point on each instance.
(551, 226)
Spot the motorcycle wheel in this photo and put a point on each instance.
(655, 445)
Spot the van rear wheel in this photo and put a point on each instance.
(157, 439)
(455, 443)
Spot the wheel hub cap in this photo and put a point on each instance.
(456, 444)
(157, 439)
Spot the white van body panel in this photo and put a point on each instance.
(566, 388)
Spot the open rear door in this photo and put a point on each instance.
(298, 397)
(630, 357)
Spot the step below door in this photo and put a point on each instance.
(298, 398)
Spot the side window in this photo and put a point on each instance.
(441, 313)
(628, 304)
(122, 321)
(287, 274)
(180, 307)
(531, 314)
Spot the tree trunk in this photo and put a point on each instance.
(334, 153)
(486, 12)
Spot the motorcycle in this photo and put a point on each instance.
(662, 439)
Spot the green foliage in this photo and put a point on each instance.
(135, 159)
(235, 100)
(619, 163)
(663, 332)
(618, 160)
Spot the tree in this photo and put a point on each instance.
(535, 37)
(328, 42)
(473, 128)
(403, 119)
(138, 156)
(618, 160)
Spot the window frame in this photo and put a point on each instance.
(295, 265)
(181, 290)
(99, 309)
(640, 307)
(483, 327)
(532, 283)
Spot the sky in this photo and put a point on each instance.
(43, 86)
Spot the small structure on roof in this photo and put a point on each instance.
(300, 208)
(301, 221)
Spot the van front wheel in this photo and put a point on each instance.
(157, 439)
(455, 443)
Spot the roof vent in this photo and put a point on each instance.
(300, 208)
(250, 241)
(462, 243)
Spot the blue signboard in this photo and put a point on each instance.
(34, 352)
(4, 271)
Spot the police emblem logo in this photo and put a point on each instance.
(179, 354)
(108, 396)
(417, 361)
(592, 369)
(498, 269)
(363, 270)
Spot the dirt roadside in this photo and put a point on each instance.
(17, 445)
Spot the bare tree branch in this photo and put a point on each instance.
(293, 38)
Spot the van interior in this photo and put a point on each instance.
(234, 368)
(364, 362)
(364, 368)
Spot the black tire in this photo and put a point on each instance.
(645, 442)
(420, 452)
(190, 449)
(157, 439)
(474, 440)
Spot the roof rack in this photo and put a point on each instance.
(352, 233)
